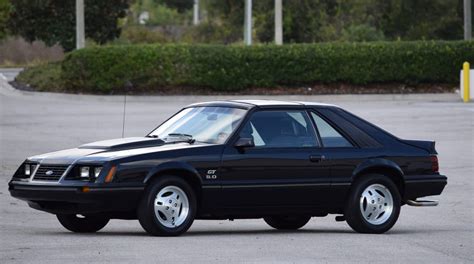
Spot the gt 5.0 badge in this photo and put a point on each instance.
(211, 175)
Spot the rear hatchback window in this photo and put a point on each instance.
(329, 135)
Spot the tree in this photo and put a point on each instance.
(53, 21)
(4, 14)
(226, 16)
(159, 13)
(423, 19)
(307, 20)
(342, 20)
(180, 5)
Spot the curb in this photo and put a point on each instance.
(7, 90)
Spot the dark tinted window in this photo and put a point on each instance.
(362, 139)
(280, 129)
(329, 135)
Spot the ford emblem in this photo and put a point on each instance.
(49, 173)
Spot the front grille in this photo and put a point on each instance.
(50, 172)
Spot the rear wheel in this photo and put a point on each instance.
(287, 222)
(82, 223)
(168, 207)
(373, 205)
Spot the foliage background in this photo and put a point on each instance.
(304, 21)
(53, 21)
(4, 16)
(326, 41)
(234, 68)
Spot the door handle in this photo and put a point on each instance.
(317, 158)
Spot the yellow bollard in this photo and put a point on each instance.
(465, 71)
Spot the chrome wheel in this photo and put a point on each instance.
(376, 204)
(171, 206)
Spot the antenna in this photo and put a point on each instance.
(124, 109)
(128, 86)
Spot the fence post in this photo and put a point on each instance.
(465, 72)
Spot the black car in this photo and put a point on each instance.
(284, 162)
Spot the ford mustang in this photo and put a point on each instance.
(284, 162)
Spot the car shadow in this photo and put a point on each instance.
(269, 232)
(260, 232)
(272, 232)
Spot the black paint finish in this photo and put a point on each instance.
(236, 182)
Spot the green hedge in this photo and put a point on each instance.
(231, 68)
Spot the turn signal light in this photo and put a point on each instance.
(110, 175)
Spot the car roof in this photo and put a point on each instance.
(247, 104)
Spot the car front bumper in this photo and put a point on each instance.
(423, 185)
(59, 199)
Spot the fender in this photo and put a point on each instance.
(173, 165)
(379, 163)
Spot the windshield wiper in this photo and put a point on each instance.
(184, 137)
(180, 135)
(152, 136)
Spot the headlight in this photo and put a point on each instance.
(28, 169)
(97, 171)
(85, 172)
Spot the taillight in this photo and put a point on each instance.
(434, 164)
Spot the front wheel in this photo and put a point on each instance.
(373, 205)
(168, 207)
(82, 223)
(287, 222)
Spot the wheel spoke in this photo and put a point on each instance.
(161, 200)
(367, 214)
(161, 208)
(368, 211)
(164, 211)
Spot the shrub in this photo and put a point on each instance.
(15, 51)
(43, 77)
(232, 68)
(210, 32)
(141, 35)
(362, 32)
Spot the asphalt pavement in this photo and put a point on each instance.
(33, 123)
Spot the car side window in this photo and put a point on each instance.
(329, 135)
(277, 129)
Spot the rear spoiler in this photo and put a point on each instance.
(423, 144)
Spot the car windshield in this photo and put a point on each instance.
(202, 124)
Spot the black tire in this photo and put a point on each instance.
(287, 222)
(84, 224)
(146, 212)
(353, 214)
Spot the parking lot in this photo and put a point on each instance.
(33, 123)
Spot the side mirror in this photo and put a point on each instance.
(244, 143)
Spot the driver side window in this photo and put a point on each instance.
(280, 129)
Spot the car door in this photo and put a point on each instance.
(341, 152)
(285, 168)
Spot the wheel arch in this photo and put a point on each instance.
(180, 169)
(385, 167)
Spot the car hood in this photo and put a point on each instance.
(124, 143)
(102, 151)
